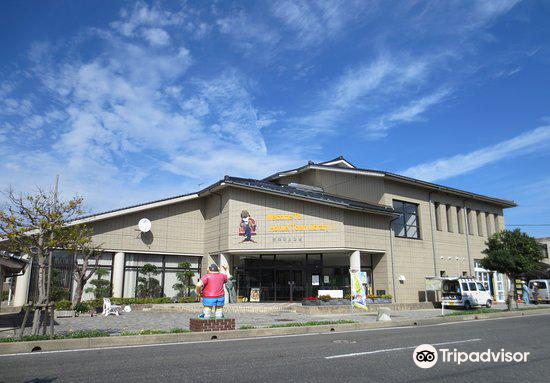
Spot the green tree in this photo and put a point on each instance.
(85, 255)
(513, 253)
(101, 287)
(185, 280)
(35, 224)
(148, 285)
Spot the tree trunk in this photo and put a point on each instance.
(77, 296)
(41, 294)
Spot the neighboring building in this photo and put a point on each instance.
(545, 246)
(309, 226)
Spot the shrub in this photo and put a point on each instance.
(128, 301)
(186, 300)
(348, 297)
(325, 298)
(5, 295)
(386, 296)
(63, 305)
(86, 334)
(82, 307)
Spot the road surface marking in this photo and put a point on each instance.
(161, 344)
(433, 325)
(266, 337)
(398, 349)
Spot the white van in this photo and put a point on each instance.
(464, 292)
(543, 290)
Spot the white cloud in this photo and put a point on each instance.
(315, 22)
(157, 36)
(129, 117)
(407, 113)
(463, 163)
(361, 89)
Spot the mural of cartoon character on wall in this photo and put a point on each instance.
(247, 227)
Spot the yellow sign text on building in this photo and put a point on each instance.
(284, 217)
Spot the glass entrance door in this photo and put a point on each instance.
(282, 287)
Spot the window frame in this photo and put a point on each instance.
(403, 222)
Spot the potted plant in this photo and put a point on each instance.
(63, 309)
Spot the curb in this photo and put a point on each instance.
(135, 340)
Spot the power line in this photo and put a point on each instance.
(528, 224)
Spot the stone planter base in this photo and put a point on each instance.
(64, 313)
(202, 325)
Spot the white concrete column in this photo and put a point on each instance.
(355, 261)
(22, 283)
(223, 260)
(118, 275)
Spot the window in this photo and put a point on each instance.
(479, 223)
(406, 225)
(460, 219)
(480, 286)
(437, 208)
(464, 286)
(449, 212)
(472, 286)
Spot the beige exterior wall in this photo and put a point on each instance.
(291, 233)
(454, 251)
(362, 188)
(176, 228)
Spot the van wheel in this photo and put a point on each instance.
(467, 305)
(489, 303)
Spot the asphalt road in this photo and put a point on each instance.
(360, 356)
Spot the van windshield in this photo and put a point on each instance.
(540, 284)
(450, 287)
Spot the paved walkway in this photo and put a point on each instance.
(139, 320)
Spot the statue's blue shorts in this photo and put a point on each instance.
(213, 302)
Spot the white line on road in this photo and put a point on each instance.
(397, 349)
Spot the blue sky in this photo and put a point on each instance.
(131, 102)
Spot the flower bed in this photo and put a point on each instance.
(327, 301)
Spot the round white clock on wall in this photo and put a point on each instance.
(144, 225)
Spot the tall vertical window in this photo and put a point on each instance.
(460, 219)
(437, 208)
(449, 211)
(406, 225)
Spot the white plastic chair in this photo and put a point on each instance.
(109, 308)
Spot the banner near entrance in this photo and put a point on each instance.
(358, 294)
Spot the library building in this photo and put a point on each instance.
(297, 234)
